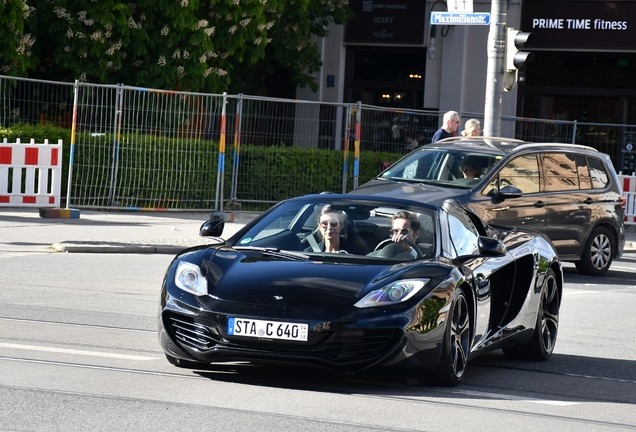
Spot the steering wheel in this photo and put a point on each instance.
(416, 248)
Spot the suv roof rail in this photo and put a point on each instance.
(531, 145)
(482, 139)
(479, 138)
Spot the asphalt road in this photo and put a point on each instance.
(79, 351)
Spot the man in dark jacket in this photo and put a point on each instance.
(449, 126)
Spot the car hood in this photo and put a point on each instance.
(249, 278)
(412, 191)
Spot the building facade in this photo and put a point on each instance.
(390, 55)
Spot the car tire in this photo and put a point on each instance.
(541, 346)
(455, 345)
(598, 253)
(186, 364)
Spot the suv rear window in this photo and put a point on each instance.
(600, 179)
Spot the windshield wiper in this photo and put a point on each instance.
(275, 252)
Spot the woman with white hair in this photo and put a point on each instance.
(472, 127)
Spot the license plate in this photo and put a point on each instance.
(266, 329)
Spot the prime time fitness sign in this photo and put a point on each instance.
(580, 25)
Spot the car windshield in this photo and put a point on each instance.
(345, 229)
(454, 167)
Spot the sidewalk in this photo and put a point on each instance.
(23, 230)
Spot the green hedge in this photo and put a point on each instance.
(155, 171)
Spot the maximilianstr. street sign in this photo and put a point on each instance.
(450, 18)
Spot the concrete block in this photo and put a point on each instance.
(57, 213)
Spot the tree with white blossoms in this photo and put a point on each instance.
(186, 44)
(15, 44)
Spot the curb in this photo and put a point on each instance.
(127, 248)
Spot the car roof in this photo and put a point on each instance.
(504, 146)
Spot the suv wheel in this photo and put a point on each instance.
(597, 254)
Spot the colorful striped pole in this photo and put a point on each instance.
(237, 147)
(218, 202)
(356, 154)
(345, 153)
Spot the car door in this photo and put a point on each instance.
(570, 200)
(527, 210)
(492, 275)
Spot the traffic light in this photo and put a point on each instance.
(515, 59)
(515, 40)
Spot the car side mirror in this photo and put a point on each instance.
(488, 247)
(491, 247)
(212, 228)
(509, 192)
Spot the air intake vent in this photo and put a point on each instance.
(191, 334)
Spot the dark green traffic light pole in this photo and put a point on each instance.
(495, 72)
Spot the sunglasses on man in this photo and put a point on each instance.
(402, 231)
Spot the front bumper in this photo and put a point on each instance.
(352, 344)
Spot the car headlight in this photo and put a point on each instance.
(393, 293)
(188, 277)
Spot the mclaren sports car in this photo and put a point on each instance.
(352, 282)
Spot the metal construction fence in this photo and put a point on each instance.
(139, 148)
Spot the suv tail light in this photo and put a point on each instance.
(624, 202)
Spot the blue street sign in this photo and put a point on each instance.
(451, 18)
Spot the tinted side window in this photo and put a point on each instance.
(560, 172)
(521, 172)
(584, 172)
(600, 179)
(464, 235)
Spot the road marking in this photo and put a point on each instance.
(515, 398)
(21, 254)
(76, 352)
(569, 293)
(615, 267)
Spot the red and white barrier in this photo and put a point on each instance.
(30, 174)
(629, 192)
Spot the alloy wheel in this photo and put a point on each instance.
(460, 336)
(550, 313)
(600, 251)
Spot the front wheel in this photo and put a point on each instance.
(456, 344)
(541, 345)
(597, 253)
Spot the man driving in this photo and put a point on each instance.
(405, 226)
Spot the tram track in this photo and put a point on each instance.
(475, 400)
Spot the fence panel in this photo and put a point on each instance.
(92, 159)
(157, 149)
(35, 102)
(386, 130)
(297, 130)
(608, 138)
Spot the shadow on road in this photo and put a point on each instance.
(566, 378)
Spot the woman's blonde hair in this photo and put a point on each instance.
(470, 126)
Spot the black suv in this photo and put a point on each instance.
(568, 191)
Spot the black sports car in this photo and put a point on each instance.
(350, 282)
